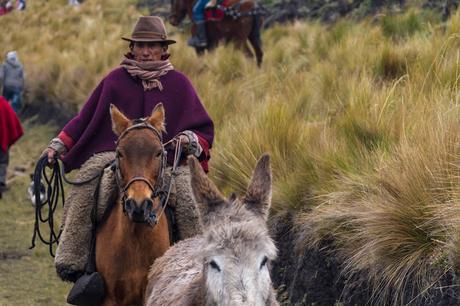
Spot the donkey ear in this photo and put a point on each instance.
(259, 193)
(157, 118)
(119, 121)
(208, 198)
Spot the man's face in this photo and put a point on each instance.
(148, 51)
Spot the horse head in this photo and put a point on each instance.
(179, 9)
(140, 163)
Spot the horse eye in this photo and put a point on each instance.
(119, 155)
(158, 154)
(264, 262)
(214, 265)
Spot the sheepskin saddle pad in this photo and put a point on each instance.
(73, 249)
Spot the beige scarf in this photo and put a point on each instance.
(148, 72)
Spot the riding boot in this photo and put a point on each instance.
(199, 40)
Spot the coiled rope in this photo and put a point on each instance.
(44, 211)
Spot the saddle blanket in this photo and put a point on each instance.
(214, 10)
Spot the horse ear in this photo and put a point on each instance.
(208, 198)
(157, 118)
(259, 193)
(119, 121)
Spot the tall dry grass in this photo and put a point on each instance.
(65, 49)
(361, 120)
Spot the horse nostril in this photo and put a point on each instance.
(147, 204)
(129, 205)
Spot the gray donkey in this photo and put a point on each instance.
(228, 264)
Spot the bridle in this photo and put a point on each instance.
(157, 189)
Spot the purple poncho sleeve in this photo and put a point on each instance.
(75, 127)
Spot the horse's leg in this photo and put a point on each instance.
(256, 44)
(243, 46)
(254, 39)
(200, 51)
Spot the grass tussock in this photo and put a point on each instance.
(66, 49)
(361, 121)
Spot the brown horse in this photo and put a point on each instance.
(136, 229)
(237, 31)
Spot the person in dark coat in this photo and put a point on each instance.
(144, 78)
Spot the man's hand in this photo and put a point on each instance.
(52, 154)
(184, 141)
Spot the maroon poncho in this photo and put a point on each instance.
(91, 130)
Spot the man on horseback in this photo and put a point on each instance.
(145, 78)
(200, 39)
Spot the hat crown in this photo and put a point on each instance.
(149, 28)
(149, 24)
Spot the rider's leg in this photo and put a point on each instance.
(200, 40)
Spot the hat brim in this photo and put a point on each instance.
(164, 41)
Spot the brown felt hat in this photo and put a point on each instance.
(150, 29)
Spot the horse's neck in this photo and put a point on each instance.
(190, 9)
(128, 228)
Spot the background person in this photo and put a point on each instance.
(12, 77)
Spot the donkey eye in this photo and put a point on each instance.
(264, 262)
(214, 265)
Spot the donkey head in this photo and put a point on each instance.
(140, 162)
(237, 247)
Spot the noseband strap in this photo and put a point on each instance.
(136, 179)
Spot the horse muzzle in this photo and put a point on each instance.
(140, 212)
